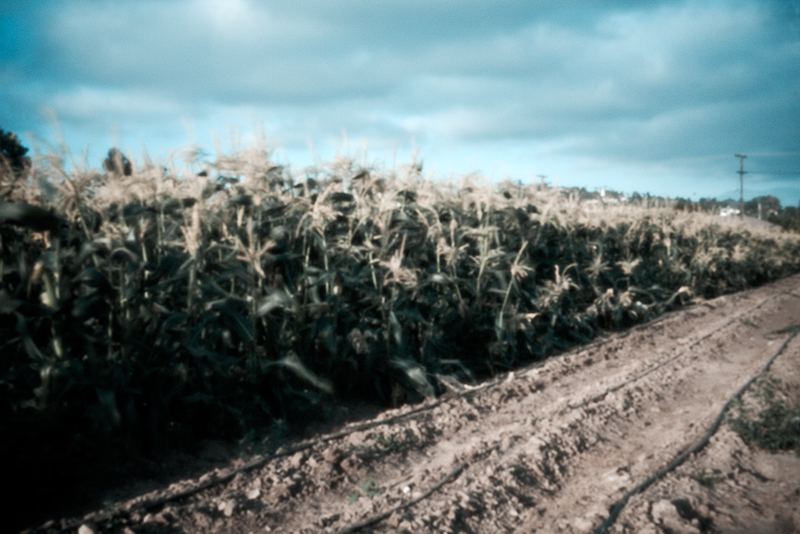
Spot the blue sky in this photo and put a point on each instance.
(651, 96)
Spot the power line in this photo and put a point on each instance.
(788, 173)
(699, 158)
(774, 154)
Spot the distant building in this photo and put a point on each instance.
(728, 212)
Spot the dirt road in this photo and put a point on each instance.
(551, 448)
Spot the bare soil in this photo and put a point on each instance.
(550, 448)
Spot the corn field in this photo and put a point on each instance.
(149, 306)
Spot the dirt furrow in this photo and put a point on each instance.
(547, 449)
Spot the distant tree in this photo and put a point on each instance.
(13, 153)
(709, 205)
(769, 203)
(117, 163)
(788, 218)
(685, 204)
(14, 165)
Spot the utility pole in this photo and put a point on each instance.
(741, 183)
(541, 177)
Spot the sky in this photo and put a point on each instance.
(654, 97)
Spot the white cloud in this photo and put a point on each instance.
(87, 103)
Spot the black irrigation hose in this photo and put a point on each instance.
(380, 517)
(154, 504)
(618, 508)
(662, 363)
(682, 458)
(151, 505)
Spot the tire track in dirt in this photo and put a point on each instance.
(547, 449)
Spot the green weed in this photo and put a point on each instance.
(775, 427)
(706, 480)
(368, 487)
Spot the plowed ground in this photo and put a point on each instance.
(551, 448)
